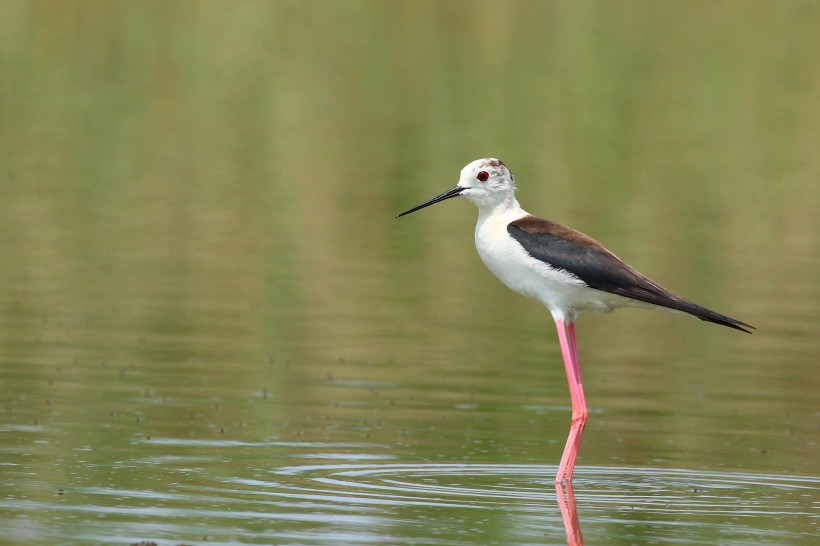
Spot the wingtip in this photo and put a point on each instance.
(743, 327)
(729, 322)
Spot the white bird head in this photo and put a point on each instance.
(486, 182)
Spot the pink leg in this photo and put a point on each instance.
(566, 337)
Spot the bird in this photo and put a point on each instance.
(564, 269)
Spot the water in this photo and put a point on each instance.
(213, 330)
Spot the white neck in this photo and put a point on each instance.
(507, 207)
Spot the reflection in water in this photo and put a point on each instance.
(566, 503)
(403, 503)
(697, 502)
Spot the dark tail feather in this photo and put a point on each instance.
(710, 316)
(676, 302)
(653, 293)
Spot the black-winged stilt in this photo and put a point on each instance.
(562, 268)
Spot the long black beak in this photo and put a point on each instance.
(446, 195)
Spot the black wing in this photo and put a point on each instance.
(572, 251)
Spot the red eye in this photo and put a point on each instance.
(483, 176)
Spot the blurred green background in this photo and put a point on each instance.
(197, 201)
(258, 150)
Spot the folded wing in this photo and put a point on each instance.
(565, 248)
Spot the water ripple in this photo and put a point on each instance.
(431, 503)
(596, 488)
